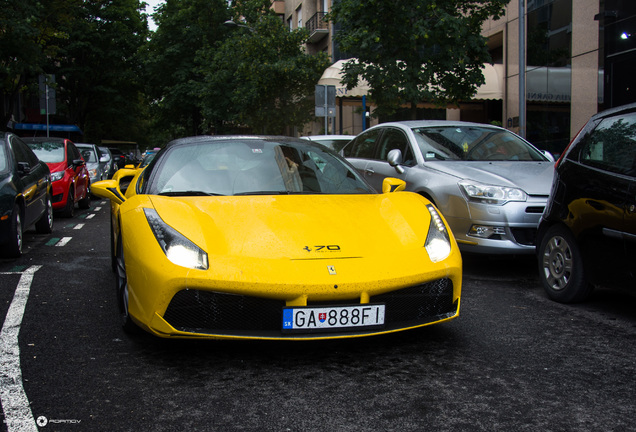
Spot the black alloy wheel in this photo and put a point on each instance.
(13, 247)
(45, 224)
(69, 208)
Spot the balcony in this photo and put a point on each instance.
(318, 27)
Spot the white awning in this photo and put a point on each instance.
(492, 89)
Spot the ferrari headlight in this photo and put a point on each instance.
(490, 194)
(178, 249)
(438, 243)
(57, 176)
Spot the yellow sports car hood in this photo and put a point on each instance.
(299, 226)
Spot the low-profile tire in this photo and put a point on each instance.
(69, 209)
(13, 247)
(561, 267)
(121, 287)
(85, 203)
(44, 225)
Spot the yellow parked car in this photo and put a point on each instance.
(275, 238)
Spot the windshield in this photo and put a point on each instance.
(252, 166)
(473, 143)
(48, 152)
(88, 153)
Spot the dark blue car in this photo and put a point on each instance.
(25, 194)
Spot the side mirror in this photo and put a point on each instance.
(24, 168)
(394, 158)
(549, 155)
(104, 159)
(392, 184)
(108, 189)
(78, 162)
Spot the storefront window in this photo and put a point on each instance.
(549, 74)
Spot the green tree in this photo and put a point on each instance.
(97, 68)
(413, 51)
(184, 27)
(259, 78)
(29, 38)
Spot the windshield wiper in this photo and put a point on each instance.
(188, 193)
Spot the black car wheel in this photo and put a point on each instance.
(85, 203)
(13, 247)
(561, 267)
(45, 224)
(121, 281)
(69, 209)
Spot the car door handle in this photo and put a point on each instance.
(369, 171)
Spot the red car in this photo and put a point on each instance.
(71, 183)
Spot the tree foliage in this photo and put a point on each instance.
(260, 77)
(184, 28)
(29, 36)
(98, 70)
(414, 51)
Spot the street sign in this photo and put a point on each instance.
(325, 101)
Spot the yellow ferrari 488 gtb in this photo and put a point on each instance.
(274, 238)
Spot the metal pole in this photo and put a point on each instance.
(326, 112)
(522, 69)
(46, 94)
(364, 112)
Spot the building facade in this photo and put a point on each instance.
(578, 58)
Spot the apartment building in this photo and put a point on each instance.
(578, 58)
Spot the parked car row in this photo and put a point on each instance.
(43, 175)
(25, 194)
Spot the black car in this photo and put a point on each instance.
(118, 156)
(587, 235)
(25, 194)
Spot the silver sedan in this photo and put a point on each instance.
(490, 184)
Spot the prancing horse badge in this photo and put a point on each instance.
(332, 270)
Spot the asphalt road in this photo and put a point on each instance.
(512, 361)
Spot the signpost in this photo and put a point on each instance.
(47, 98)
(326, 103)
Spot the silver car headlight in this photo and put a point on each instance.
(178, 249)
(438, 243)
(58, 175)
(490, 194)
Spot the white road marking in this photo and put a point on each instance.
(63, 241)
(90, 216)
(97, 209)
(15, 404)
(78, 226)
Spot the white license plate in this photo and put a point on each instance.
(321, 318)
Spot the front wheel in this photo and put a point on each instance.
(44, 225)
(121, 281)
(69, 208)
(13, 247)
(561, 267)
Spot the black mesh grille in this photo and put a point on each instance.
(227, 314)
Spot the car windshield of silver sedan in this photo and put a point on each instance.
(48, 152)
(252, 167)
(473, 144)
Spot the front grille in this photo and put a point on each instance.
(196, 311)
(525, 236)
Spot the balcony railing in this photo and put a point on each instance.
(317, 26)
